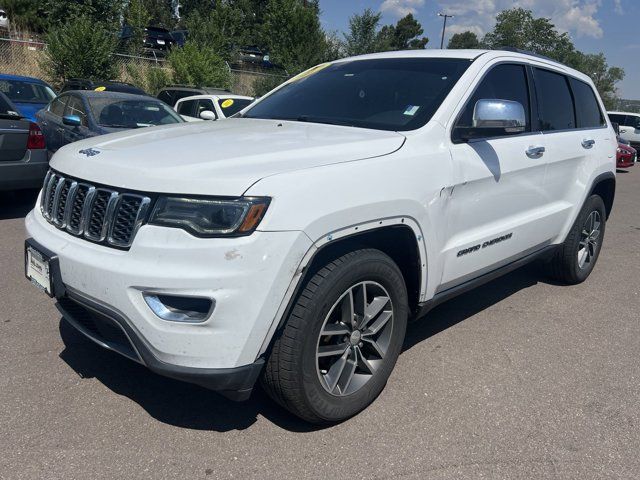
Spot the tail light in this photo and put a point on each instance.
(36, 138)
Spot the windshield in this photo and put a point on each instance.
(231, 106)
(384, 94)
(26, 92)
(118, 113)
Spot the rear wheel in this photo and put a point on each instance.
(576, 257)
(341, 340)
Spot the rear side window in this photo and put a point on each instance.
(503, 82)
(555, 101)
(57, 106)
(631, 121)
(588, 111)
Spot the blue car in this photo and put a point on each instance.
(28, 94)
(79, 114)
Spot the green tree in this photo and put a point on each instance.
(26, 15)
(59, 12)
(404, 35)
(518, 28)
(363, 34)
(220, 29)
(137, 17)
(80, 48)
(464, 40)
(161, 13)
(292, 34)
(193, 65)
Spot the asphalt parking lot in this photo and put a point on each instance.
(518, 379)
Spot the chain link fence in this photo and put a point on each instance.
(25, 57)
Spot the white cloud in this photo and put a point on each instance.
(401, 8)
(617, 7)
(578, 17)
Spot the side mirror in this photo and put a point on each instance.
(72, 120)
(207, 115)
(494, 118)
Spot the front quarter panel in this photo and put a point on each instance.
(331, 201)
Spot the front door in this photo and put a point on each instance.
(497, 201)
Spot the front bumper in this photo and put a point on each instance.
(110, 330)
(248, 277)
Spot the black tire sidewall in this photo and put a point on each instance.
(370, 266)
(593, 203)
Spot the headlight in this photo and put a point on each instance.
(210, 217)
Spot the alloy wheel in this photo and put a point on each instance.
(589, 238)
(354, 338)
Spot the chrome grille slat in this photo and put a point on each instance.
(101, 215)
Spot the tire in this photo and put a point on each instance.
(302, 371)
(575, 259)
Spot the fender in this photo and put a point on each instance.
(297, 282)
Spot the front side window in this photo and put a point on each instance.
(503, 82)
(75, 107)
(554, 100)
(206, 104)
(57, 106)
(588, 111)
(395, 94)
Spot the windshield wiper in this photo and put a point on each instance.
(312, 119)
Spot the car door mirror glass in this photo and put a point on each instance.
(207, 115)
(494, 118)
(72, 120)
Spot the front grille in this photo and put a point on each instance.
(98, 214)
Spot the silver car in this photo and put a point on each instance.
(23, 155)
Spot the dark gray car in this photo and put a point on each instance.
(23, 157)
(80, 114)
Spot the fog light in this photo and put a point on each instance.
(180, 309)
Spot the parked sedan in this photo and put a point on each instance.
(79, 114)
(626, 156)
(23, 158)
(28, 94)
(211, 107)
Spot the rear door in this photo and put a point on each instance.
(575, 134)
(497, 202)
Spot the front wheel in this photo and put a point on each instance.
(341, 340)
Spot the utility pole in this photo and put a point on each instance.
(444, 26)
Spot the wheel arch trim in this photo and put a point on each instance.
(331, 238)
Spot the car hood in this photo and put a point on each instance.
(28, 110)
(223, 158)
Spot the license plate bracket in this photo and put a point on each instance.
(42, 269)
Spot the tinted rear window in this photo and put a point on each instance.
(555, 101)
(588, 111)
(20, 91)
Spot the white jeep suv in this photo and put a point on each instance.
(292, 243)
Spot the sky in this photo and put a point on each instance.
(595, 26)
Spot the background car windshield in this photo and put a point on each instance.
(384, 94)
(237, 105)
(26, 92)
(131, 113)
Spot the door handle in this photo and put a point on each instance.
(535, 151)
(623, 131)
(588, 142)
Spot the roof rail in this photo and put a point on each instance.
(528, 52)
